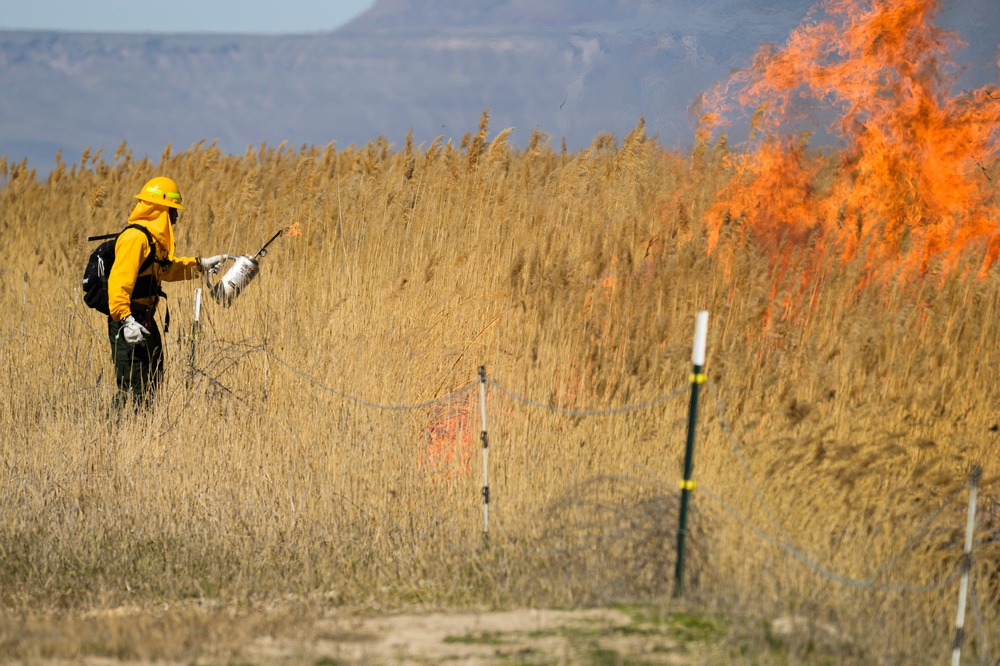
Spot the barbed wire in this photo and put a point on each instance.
(734, 446)
(786, 543)
(868, 583)
(73, 312)
(367, 403)
(759, 495)
(982, 645)
(584, 412)
(227, 359)
(248, 344)
(443, 399)
(234, 353)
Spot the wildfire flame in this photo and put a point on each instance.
(449, 450)
(292, 230)
(911, 190)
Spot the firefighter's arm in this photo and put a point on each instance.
(185, 268)
(131, 249)
(181, 268)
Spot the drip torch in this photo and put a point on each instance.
(244, 269)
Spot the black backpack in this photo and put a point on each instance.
(95, 276)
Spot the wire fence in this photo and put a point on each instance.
(457, 393)
(582, 413)
(228, 355)
(785, 543)
(778, 537)
(231, 353)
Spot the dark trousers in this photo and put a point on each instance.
(139, 369)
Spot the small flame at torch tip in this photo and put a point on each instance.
(292, 230)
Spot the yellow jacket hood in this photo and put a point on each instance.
(157, 220)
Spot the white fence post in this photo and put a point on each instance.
(194, 333)
(963, 589)
(485, 440)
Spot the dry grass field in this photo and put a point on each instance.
(297, 461)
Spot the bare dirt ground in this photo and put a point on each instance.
(537, 636)
(326, 638)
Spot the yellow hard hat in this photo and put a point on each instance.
(161, 191)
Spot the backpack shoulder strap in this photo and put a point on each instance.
(152, 247)
(104, 236)
(144, 230)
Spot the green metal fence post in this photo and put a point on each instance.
(687, 484)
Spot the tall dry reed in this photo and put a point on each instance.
(836, 424)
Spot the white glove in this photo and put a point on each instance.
(211, 262)
(134, 332)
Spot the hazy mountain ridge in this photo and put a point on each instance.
(573, 68)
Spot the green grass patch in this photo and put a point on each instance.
(481, 638)
(328, 661)
(694, 628)
(602, 656)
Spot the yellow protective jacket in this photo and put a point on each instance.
(131, 250)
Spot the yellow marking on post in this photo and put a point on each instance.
(699, 378)
(688, 485)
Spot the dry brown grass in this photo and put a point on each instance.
(574, 278)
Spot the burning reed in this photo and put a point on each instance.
(911, 192)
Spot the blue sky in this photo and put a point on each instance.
(284, 16)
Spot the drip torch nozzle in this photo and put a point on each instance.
(262, 252)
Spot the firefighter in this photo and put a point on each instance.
(134, 289)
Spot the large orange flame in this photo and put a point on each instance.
(912, 189)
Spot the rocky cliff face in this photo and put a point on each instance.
(571, 68)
